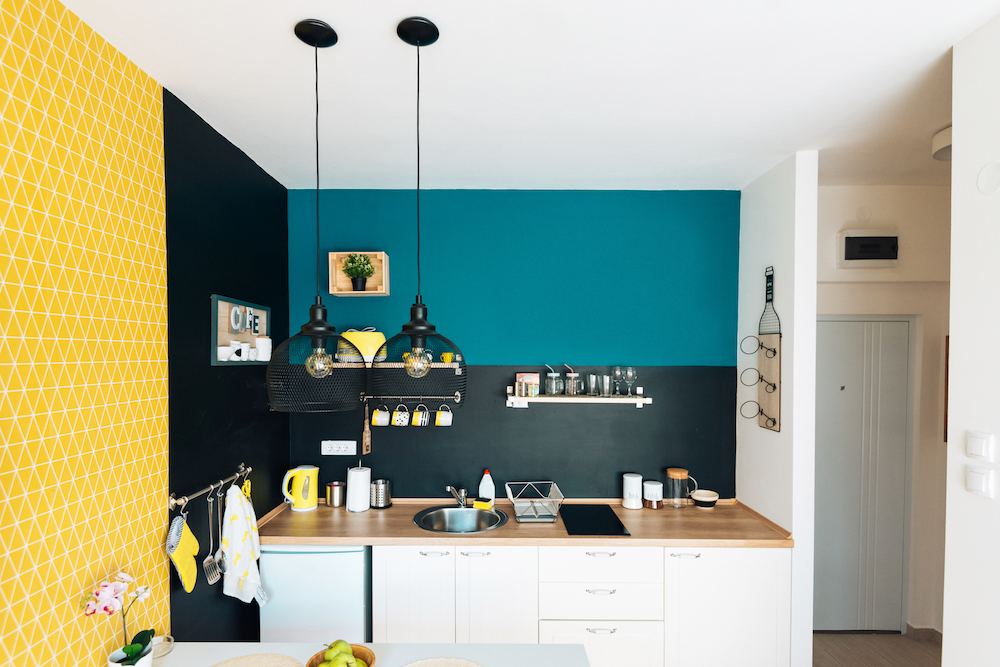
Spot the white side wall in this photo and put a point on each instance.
(972, 532)
(918, 286)
(775, 471)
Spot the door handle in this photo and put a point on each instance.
(434, 554)
(601, 591)
(475, 554)
(685, 556)
(602, 631)
(601, 554)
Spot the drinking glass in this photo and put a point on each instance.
(616, 374)
(630, 378)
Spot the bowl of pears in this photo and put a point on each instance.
(342, 654)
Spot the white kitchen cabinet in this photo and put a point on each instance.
(496, 595)
(632, 643)
(727, 607)
(608, 598)
(413, 594)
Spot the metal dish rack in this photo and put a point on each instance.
(534, 502)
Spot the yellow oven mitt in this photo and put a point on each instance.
(182, 547)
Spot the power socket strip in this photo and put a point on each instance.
(338, 448)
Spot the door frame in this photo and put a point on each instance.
(912, 432)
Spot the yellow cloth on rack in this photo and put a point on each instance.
(182, 548)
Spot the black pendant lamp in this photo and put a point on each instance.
(419, 363)
(316, 370)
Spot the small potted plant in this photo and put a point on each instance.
(113, 596)
(358, 267)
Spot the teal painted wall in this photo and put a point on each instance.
(527, 277)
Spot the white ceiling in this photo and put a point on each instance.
(563, 94)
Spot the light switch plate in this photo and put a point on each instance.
(339, 447)
(979, 481)
(979, 445)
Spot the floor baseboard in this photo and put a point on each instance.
(923, 634)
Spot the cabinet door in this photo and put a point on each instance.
(749, 587)
(632, 643)
(413, 594)
(496, 595)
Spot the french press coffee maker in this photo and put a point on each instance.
(678, 487)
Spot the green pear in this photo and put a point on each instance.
(360, 662)
(341, 646)
(344, 660)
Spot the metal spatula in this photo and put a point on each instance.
(219, 558)
(212, 573)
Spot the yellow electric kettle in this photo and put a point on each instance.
(305, 488)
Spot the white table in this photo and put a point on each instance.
(206, 654)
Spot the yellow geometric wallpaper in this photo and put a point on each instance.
(83, 339)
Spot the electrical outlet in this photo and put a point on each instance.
(339, 447)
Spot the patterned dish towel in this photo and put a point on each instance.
(241, 549)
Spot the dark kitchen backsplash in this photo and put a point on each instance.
(583, 448)
(226, 234)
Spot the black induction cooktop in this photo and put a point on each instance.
(591, 520)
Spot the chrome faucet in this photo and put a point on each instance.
(460, 494)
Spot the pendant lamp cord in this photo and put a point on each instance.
(418, 172)
(318, 254)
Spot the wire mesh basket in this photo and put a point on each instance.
(534, 502)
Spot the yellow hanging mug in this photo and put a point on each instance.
(305, 488)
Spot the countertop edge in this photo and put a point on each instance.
(782, 539)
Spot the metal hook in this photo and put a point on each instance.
(769, 352)
(768, 421)
(769, 387)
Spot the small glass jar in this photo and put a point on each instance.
(574, 385)
(553, 383)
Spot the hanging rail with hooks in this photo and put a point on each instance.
(174, 502)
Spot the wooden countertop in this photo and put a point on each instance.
(728, 524)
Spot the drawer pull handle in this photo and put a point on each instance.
(601, 554)
(601, 591)
(688, 556)
(475, 554)
(434, 554)
(602, 631)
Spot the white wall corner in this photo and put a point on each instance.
(972, 524)
(775, 471)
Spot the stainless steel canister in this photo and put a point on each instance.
(336, 494)
(381, 495)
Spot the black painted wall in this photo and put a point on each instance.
(227, 234)
(584, 448)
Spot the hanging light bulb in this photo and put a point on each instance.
(432, 366)
(303, 376)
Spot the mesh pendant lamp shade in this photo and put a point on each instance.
(316, 370)
(445, 381)
(292, 388)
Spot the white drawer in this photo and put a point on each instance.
(633, 643)
(605, 563)
(628, 601)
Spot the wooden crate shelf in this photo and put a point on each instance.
(377, 285)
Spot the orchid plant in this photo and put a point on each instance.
(113, 596)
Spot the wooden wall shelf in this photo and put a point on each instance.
(378, 284)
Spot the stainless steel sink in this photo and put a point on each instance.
(452, 519)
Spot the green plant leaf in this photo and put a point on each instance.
(143, 638)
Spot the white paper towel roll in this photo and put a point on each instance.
(359, 483)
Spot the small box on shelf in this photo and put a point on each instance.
(376, 285)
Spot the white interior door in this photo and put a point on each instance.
(861, 416)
